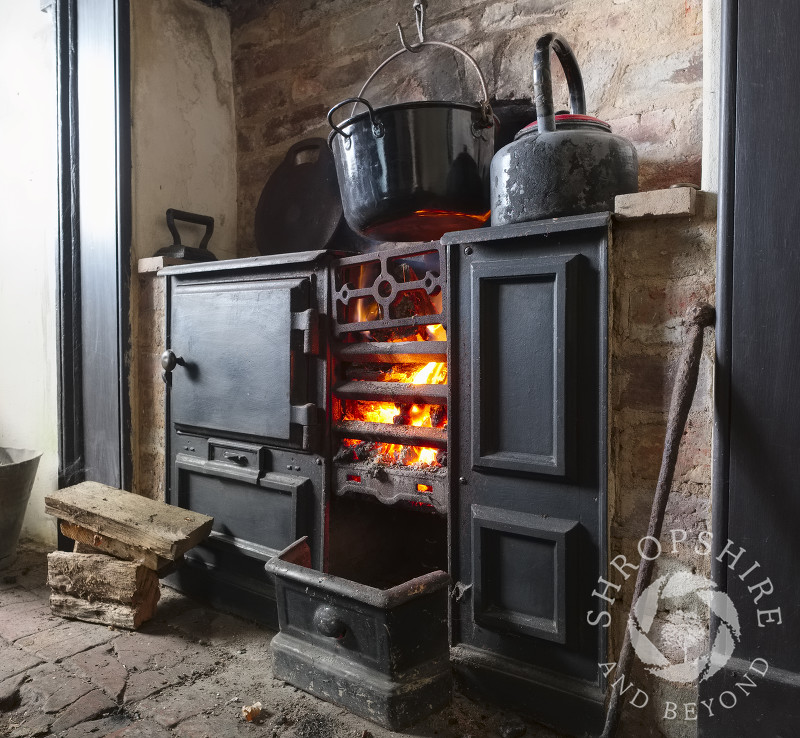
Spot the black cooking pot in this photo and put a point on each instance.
(561, 164)
(414, 171)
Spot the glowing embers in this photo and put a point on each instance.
(426, 225)
(405, 412)
(391, 454)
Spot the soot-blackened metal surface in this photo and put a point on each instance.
(387, 281)
(246, 407)
(528, 519)
(394, 485)
(381, 654)
(386, 288)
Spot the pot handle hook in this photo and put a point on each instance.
(377, 127)
(486, 110)
(543, 85)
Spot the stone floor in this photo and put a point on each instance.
(187, 674)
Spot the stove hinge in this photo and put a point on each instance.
(307, 322)
(307, 417)
(459, 591)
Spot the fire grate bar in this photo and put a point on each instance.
(404, 435)
(411, 352)
(392, 486)
(419, 394)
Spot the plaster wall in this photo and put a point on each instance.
(183, 132)
(183, 145)
(28, 231)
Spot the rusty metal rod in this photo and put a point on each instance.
(698, 318)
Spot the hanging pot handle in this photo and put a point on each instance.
(487, 120)
(377, 127)
(543, 85)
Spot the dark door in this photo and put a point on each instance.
(244, 370)
(757, 435)
(528, 463)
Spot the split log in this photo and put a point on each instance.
(101, 589)
(105, 613)
(165, 530)
(100, 577)
(89, 542)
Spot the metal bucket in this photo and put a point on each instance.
(17, 472)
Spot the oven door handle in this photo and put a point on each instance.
(223, 469)
(277, 481)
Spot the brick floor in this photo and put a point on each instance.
(186, 674)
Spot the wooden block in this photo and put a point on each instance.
(101, 589)
(100, 577)
(105, 613)
(88, 542)
(165, 530)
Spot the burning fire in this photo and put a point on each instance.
(424, 416)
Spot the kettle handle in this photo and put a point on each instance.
(543, 85)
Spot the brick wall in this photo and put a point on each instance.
(658, 267)
(293, 59)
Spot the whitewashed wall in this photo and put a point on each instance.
(28, 230)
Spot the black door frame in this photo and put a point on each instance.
(756, 431)
(68, 304)
(94, 247)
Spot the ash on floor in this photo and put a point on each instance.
(188, 673)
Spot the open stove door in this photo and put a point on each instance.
(528, 460)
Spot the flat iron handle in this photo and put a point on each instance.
(186, 217)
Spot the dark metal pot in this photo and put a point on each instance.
(561, 164)
(412, 172)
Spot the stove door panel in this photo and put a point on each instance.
(527, 462)
(258, 515)
(243, 347)
(521, 362)
(521, 564)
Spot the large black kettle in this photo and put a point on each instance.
(560, 164)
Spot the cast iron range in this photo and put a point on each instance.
(370, 633)
(390, 370)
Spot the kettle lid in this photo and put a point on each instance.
(568, 120)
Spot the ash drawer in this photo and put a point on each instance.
(258, 513)
(381, 653)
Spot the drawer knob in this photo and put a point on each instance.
(327, 622)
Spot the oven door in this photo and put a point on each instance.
(242, 353)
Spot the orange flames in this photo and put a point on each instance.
(416, 415)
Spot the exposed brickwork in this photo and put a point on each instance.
(293, 59)
(148, 392)
(658, 268)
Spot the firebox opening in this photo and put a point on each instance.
(384, 545)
